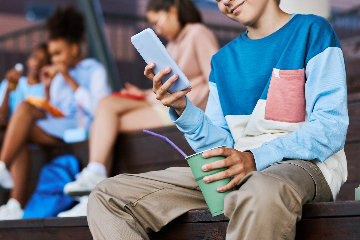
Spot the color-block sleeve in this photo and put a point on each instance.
(204, 130)
(326, 109)
(99, 88)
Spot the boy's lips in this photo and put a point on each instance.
(237, 8)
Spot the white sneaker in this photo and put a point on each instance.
(6, 182)
(11, 210)
(78, 211)
(84, 184)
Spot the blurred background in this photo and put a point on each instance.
(21, 28)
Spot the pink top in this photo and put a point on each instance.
(192, 50)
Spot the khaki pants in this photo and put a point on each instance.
(266, 205)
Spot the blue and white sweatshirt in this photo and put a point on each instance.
(281, 97)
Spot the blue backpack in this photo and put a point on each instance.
(49, 198)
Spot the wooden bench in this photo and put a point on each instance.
(330, 221)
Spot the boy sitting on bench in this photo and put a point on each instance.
(278, 102)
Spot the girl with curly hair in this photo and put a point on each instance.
(71, 83)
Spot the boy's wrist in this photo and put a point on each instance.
(265, 156)
(189, 119)
(180, 111)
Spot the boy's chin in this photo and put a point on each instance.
(243, 21)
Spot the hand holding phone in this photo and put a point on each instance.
(152, 50)
(176, 100)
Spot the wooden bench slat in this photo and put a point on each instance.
(44, 223)
(69, 233)
(313, 210)
(191, 231)
(330, 210)
(329, 229)
(330, 221)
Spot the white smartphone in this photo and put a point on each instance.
(151, 49)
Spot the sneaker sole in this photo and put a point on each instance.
(78, 194)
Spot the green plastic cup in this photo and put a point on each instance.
(213, 198)
(357, 194)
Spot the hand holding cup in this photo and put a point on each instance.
(210, 189)
(239, 164)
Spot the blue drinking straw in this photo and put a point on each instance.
(166, 139)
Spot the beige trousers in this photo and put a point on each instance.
(266, 204)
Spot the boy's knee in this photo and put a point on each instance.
(262, 193)
(107, 195)
(96, 196)
(100, 188)
(104, 189)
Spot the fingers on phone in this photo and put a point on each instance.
(169, 82)
(157, 78)
(175, 96)
(148, 71)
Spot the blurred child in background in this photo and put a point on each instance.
(15, 88)
(71, 83)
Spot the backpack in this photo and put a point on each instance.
(49, 198)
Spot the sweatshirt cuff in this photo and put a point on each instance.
(189, 119)
(265, 156)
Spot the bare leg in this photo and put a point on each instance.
(20, 170)
(105, 126)
(18, 131)
(135, 120)
(139, 119)
(108, 163)
(15, 153)
(20, 166)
